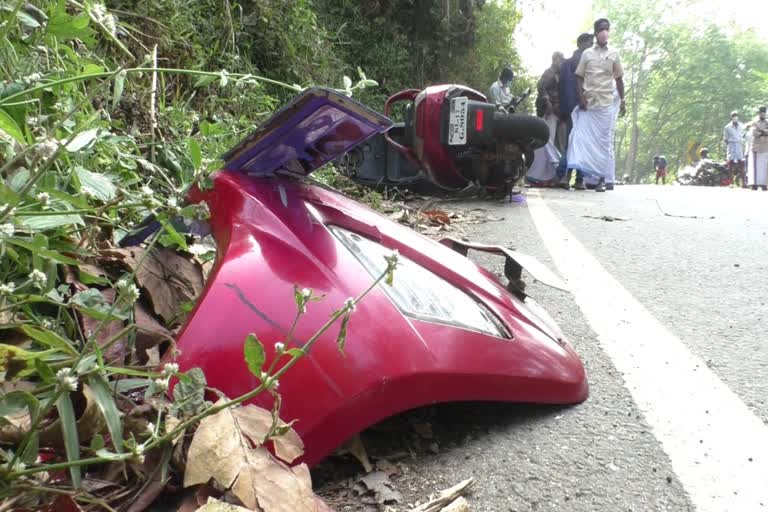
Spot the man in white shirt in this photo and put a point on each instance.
(733, 135)
(499, 93)
(600, 87)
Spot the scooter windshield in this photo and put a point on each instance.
(316, 127)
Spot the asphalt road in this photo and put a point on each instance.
(677, 415)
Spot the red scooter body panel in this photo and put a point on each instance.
(274, 232)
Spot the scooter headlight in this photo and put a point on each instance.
(419, 293)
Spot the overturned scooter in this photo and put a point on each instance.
(451, 140)
(446, 330)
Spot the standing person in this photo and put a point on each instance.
(733, 135)
(543, 171)
(499, 93)
(569, 100)
(661, 170)
(591, 144)
(758, 157)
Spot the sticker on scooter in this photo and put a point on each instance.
(457, 122)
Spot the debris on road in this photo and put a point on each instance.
(449, 500)
(380, 485)
(606, 218)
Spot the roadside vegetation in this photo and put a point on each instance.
(109, 114)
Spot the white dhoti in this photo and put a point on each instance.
(546, 158)
(734, 151)
(590, 147)
(758, 169)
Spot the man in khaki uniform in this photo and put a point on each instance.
(758, 155)
(600, 87)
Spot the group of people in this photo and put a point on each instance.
(580, 99)
(747, 150)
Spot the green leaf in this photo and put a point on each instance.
(195, 154)
(94, 304)
(45, 222)
(71, 440)
(45, 253)
(44, 371)
(296, 352)
(99, 184)
(50, 339)
(174, 236)
(189, 392)
(97, 443)
(254, 354)
(117, 92)
(27, 20)
(205, 80)
(81, 140)
(32, 450)
(126, 385)
(64, 27)
(15, 401)
(9, 126)
(341, 339)
(106, 402)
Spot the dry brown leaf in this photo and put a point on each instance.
(255, 423)
(356, 448)
(89, 423)
(149, 334)
(115, 353)
(168, 278)
(220, 451)
(171, 422)
(438, 217)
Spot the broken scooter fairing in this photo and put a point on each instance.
(446, 331)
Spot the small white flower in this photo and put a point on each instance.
(6, 230)
(33, 121)
(7, 289)
(170, 369)
(138, 453)
(349, 304)
(199, 249)
(67, 381)
(279, 347)
(275, 384)
(264, 377)
(306, 293)
(47, 324)
(161, 384)
(38, 278)
(128, 290)
(151, 428)
(44, 198)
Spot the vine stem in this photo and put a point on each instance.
(111, 74)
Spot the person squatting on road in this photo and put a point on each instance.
(590, 147)
(543, 170)
(733, 135)
(661, 169)
(758, 156)
(569, 100)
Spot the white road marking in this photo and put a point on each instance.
(717, 446)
